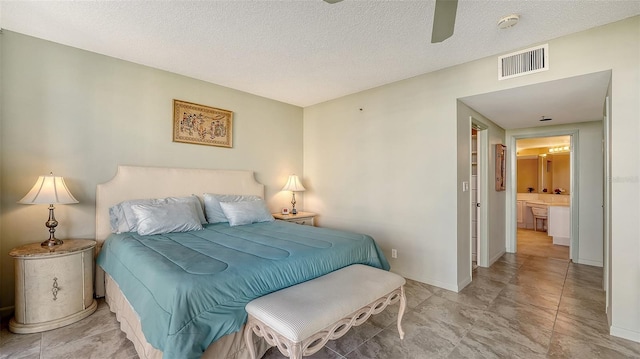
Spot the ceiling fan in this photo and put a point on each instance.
(444, 19)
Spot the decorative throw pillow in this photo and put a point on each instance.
(212, 205)
(166, 218)
(246, 212)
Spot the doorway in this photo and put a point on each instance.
(571, 211)
(543, 192)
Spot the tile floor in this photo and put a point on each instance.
(527, 305)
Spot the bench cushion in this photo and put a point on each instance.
(300, 311)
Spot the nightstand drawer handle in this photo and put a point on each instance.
(55, 288)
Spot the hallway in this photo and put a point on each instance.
(539, 244)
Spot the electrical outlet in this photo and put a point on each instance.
(394, 253)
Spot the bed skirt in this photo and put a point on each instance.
(230, 346)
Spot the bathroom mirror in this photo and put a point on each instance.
(544, 169)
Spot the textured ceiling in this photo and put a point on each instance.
(300, 52)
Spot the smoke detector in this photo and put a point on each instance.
(508, 21)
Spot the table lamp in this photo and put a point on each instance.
(49, 190)
(293, 185)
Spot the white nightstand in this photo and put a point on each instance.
(54, 287)
(305, 218)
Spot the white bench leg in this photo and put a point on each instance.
(403, 305)
(295, 351)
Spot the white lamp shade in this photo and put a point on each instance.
(293, 184)
(49, 190)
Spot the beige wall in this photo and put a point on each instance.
(80, 114)
(527, 175)
(385, 161)
(561, 175)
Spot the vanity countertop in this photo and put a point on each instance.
(544, 199)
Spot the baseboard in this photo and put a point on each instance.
(590, 262)
(463, 284)
(496, 257)
(624, 333)
(562, 241)
(6, 311)
(437, 283)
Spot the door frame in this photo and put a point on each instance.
(512, 186)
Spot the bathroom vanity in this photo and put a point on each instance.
(560, 224)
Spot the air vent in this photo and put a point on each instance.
(523, 62)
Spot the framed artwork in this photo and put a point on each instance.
(501, 167)
(202, 125)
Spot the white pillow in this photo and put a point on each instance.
(212, 205)
(246, 212)
(165, 218)
(123, 219)
(194, 201)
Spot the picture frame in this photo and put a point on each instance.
(501, 167)
(202, 125)
(285, 210)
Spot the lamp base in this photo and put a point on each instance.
(51, 242)
(51, 224)
(294, 211)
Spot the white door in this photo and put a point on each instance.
(479, 181)
(474, 196)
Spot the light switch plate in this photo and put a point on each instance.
(465, 186)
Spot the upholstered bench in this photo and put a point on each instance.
(299, 320)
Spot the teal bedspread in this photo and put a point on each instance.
(190, 289)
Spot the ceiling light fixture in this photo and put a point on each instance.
(508, 21)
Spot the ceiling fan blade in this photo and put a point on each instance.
(332, 1)
(444, 20)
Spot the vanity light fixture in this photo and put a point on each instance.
(49, 190)
(559, 149)
(294, 185)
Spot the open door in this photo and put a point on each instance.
(479, 192)
(475, 200)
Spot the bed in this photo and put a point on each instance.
(182, 295)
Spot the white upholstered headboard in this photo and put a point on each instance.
(131, 182)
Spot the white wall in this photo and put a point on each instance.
(80, 114)
(386, 170)
(391, 169)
